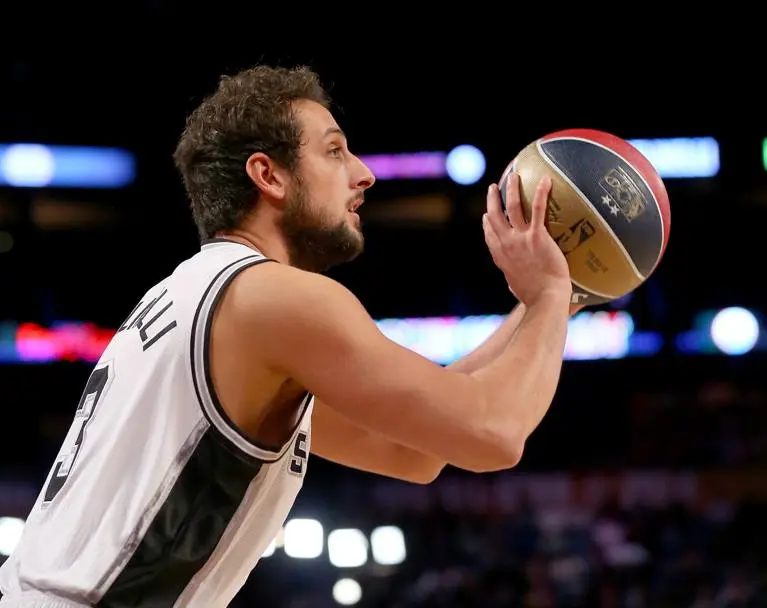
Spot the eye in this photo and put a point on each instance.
(337, 152)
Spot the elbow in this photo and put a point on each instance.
(510, 454)
(499, 450)
(426, 473)
(495, 436)
(499, 462)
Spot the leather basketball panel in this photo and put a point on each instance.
(597, 262)
(618, 192)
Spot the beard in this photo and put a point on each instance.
(314, 242)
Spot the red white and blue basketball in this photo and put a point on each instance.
(608, 209)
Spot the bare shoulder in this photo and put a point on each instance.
(284, 308)
(278, 292)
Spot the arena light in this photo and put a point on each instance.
(418, 165)
(464, 164)
(681, 157)
(11, 529)
(270, 550)
(33, 165)
(764, 153)
(388, 545)
(277, 543)
(592, 335)
(728, 331)
(347, 592)
(347, 548)
(601, 335)
(734, 330)
(304, 538)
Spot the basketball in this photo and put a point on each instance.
(608, 209)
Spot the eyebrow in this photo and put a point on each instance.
(335, 131)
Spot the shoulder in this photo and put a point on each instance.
(278, 305)
(280, 288)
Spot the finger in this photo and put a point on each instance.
(514, 201)
(491, 238)
(495, 216)
(494, 245)
(540, 202)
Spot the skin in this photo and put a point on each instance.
(282, 329)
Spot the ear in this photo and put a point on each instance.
(268, 176)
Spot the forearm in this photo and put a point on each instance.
(338, 439)
(408, 464)
(532, 341)
(491, 348)
(520, 383)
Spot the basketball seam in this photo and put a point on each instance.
(644, 181)
(588, 290)
(604, 222)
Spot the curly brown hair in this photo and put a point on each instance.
(251, 111)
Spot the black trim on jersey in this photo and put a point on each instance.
(221, 239)
(306, 399)
(187, 528)
(209, 384)
(277, 452)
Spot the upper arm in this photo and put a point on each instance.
(338, 439)
(316, 332)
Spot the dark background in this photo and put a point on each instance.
(701, 414)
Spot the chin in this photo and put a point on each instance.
(358, 237)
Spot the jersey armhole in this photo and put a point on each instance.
(200, 361)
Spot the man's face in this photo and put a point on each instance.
(320, 223)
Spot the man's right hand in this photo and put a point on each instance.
(524, 251)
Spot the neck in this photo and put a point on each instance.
(272, 246)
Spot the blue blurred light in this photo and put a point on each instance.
(683, 157)
(734, 330)
(25, 165)
(465, 165)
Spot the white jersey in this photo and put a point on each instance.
(155, 498)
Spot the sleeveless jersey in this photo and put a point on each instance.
(156, 499)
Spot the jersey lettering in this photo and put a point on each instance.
(143, 325)
(298, 459)
(93, 394)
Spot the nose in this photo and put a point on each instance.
(363, 176)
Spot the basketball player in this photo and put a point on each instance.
(192, 437)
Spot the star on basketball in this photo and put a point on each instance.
(609, 202)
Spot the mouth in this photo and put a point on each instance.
(356, 205)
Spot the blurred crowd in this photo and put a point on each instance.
(716, 425)
(673, 557)
(613, 558)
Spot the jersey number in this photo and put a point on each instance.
(298, 460)
(94, 393)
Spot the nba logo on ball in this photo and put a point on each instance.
(608, 209)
